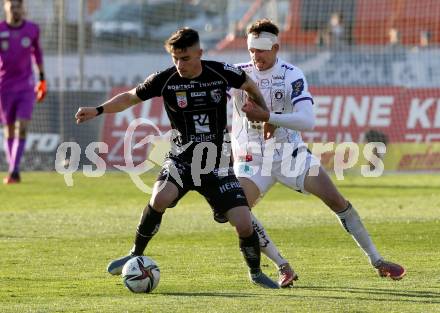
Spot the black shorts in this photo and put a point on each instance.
(223, 192)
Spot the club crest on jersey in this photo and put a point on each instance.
(25, 42)
(216, 95)
(278, 94)
(297, 88)
(182, 101)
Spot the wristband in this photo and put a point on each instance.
(41, 76)
(100, 110)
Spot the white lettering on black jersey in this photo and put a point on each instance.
(196, 107)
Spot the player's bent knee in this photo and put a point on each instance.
(161, 202)
(164, 196)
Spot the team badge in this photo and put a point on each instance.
(278, 94)
(216, 95)
(297, 88)
(182, 102)
(5, 45)
(25, 42)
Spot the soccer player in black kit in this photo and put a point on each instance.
(194, 95)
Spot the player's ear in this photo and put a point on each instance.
(276, 47)
(200, 53)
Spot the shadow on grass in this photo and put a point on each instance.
(370, 294)
(379, 186)
(392, 295)
(208, 294)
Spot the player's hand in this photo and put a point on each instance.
(85, 114)
(41, 90)
(254, 112)
(268, 130)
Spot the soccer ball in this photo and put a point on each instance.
(141, 274)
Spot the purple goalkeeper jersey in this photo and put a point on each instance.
(17, 47)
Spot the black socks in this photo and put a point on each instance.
(250, 248)
(147, 228)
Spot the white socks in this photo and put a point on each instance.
(351, 221)
(266, 244)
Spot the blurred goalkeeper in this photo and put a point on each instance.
(19, 44)
(258, 167)
(194, 96)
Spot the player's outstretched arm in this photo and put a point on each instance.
(116, 104)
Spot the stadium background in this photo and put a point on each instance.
(94, 49)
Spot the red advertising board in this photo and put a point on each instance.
(403, 115)
(342, 114)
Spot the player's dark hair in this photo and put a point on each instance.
(376, 136)
(19, 1)
(182, 39)
(263, 25)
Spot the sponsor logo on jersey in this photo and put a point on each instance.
(182, 102)
(278, 84)
(197, 138)
(280, 77)
(264, 83)
(233, 69)
(198, 94)
(297, 88)
(210, 84)
(180, 87)
(4, 34)
(216, 95)
(278, 94)
(201, 123)
(25, 42)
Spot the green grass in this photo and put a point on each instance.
(55, 243)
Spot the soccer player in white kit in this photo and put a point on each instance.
(267, 147)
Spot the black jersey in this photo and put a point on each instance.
(196, 107)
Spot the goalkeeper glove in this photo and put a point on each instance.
(41, 88)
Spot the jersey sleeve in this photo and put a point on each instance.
(234, 75)
(298, 87)
(36, 49)
(150, 88)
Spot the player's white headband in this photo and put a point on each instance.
(261, 41)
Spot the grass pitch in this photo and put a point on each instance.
(55, 243)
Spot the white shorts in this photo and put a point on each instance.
(290, 171)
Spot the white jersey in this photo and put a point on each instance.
(282, 86)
